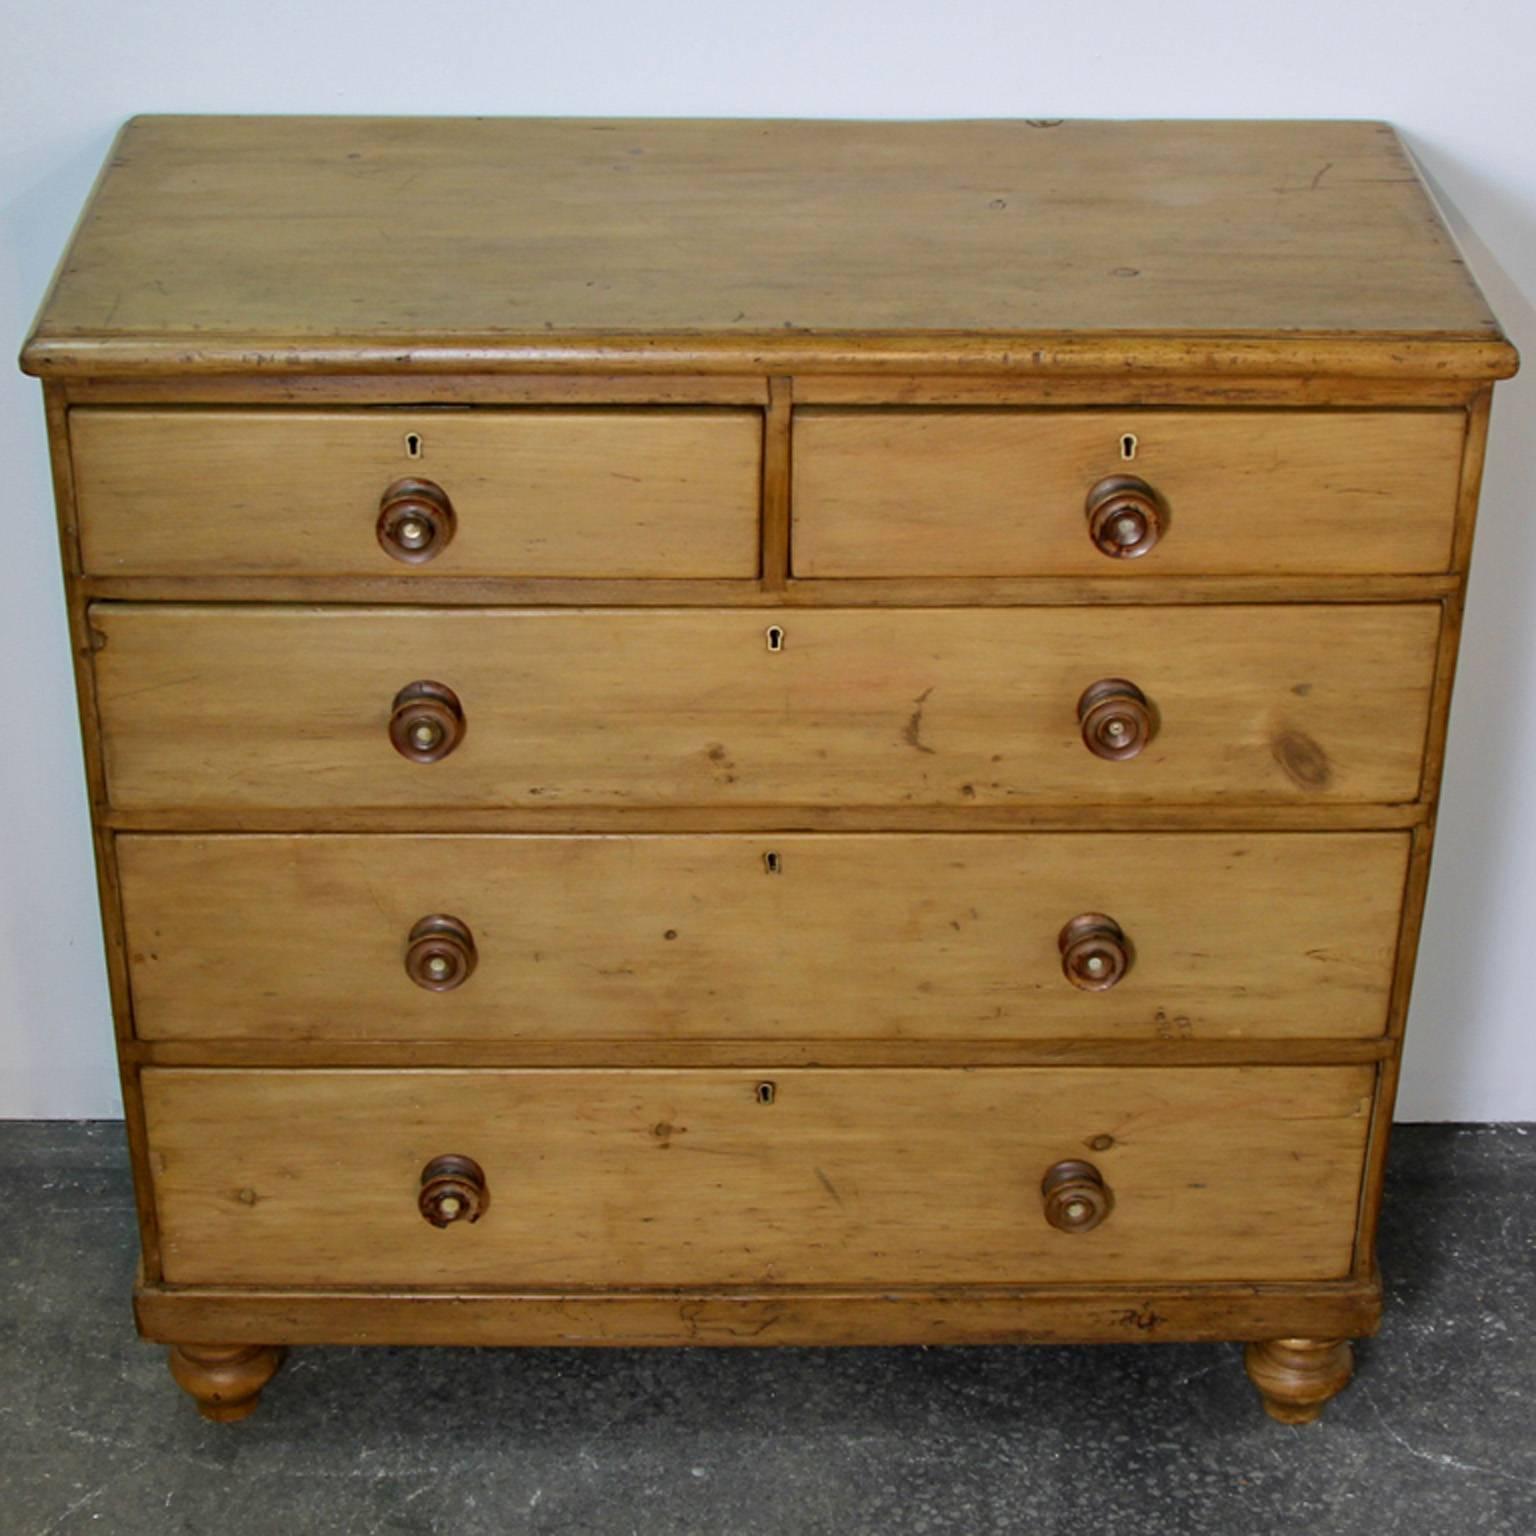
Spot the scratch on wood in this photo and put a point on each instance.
(912, 732)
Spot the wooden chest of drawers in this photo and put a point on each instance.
(751, 733)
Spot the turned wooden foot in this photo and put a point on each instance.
(224, 1380)
(1296, 1377)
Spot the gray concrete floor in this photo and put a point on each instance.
(1437, 1434)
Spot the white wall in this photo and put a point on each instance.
(1456, 78)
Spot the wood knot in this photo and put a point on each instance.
(1304, 761)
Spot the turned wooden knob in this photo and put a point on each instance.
(416, 521)
(1116, 718)
(1125, 517)
(1076, 1197)
(440, 953)
(1095, 952)
(453, 1189)
(426, 722)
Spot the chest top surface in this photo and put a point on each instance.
(218, 243)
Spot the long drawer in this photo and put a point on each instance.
(205, 707)
(808, 936)
(528, 492)
(1007, 492)
(802, 1176)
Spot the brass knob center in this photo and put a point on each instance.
(1126, 517)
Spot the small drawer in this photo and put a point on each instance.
(599, 493)
(549, 1179)
(208, 707)
(1123, 493)
(810, 936)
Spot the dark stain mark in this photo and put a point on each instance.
(1100, 1143)
(1301, 690)
(968, 790)
(248, 1197)
(671, 933)
(912, 732)
(720, 756)
(1303, 760)
(829, 1186)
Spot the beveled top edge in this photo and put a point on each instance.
(777, 353)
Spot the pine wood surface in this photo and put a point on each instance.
(636, 493)
(262, 244)
(688, 937)
(206, 708)
(746, 1317)
(678, 1178)
(1001, 493)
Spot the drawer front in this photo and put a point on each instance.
(532, 492)
(736, 937)
(605, 1178)
(208, 707)
(1005, 492)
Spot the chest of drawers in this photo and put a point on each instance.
(750, 733)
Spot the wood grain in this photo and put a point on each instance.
(1129, 817)
(751, 246)
(421, 586)
(885, 389)
(692, 1051)
(679, 1178)
(974, 1315)
(542, 493)
(1001, 493)
(691, 937)
(103, 843)
(207, 708)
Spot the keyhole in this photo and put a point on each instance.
(413, 445)
(771, 863)
(775, 638)
(1128, 446)
(765, 1093)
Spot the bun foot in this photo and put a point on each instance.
(1296, 1377)
(224, 1380)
